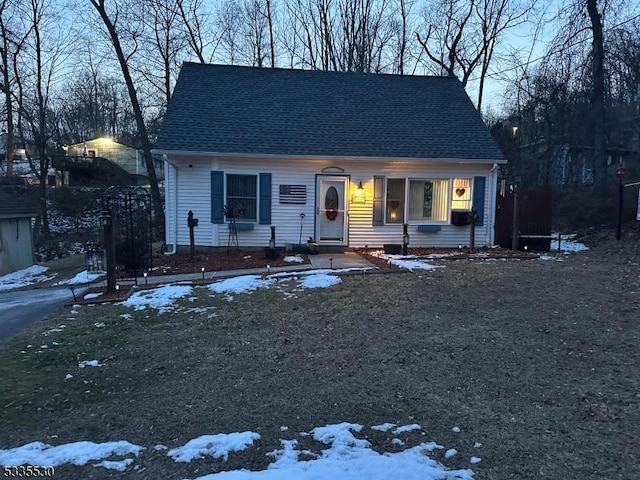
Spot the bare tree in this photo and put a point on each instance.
(163, 44)
(462, 36)
(10, 46)
(195, 21)
(229, 25)
(342, 35)
(597, 96)
(110, 21)
(271, 37)
(35, 72)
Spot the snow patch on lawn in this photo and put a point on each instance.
(89, 363)
(215, 446)
(408, 262)
(321, 280)
(348, 458)
(82, 277)
(293, 259)
(241, 284)
(77, 453)
(568, 243)
(24, 277)
(161, 298)
(407, 428)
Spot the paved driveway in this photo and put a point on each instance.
(22, 308)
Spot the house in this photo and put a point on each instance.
(17, 207)
(101, 152)
(20, 163)
(345, 158)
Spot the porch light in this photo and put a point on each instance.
(358, 196)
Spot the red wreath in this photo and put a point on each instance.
(332, 214)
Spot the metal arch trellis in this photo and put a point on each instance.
(130, 210)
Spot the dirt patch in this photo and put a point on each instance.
(536, 360)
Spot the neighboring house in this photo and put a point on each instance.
(565, 165)
(128, 158)
(17, 207)
(19, 154)
(273, 145)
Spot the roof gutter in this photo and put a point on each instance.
(191, 153)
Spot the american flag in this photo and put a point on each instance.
(293, 194)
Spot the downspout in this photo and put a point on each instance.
(491, 231)
(174, 203)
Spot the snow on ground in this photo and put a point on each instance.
(241, 284)
(407, 428)
(348, 458)
(82, 277)
(161, 298)
(384, 427)
(409, 262)
(24, 278)
(77, 453)
(293, 259)
(215, 446)
(320, 280)
(567, 243)
(89, 363)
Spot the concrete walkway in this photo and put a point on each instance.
(320, 261)
(339, 260)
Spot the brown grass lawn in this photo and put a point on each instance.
(537, 360)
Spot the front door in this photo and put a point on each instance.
(331, 211)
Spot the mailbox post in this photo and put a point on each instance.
(192, 223)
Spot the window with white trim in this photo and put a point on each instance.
(395, 200)
(428, 200)
(461, 194)
(242, 197)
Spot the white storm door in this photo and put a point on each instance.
(331, 211)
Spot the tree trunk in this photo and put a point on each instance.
(597, 98)
(137, 111)
(271, 40)
(8, 101)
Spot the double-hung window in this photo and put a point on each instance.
(242, 197)
(395, 200)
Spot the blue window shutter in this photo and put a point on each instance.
(378, 200)
(479, 184)
(265, 199)
(217, 197)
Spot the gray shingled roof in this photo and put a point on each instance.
(245, 110)
(16, 199)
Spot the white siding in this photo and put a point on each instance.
(194, 190)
